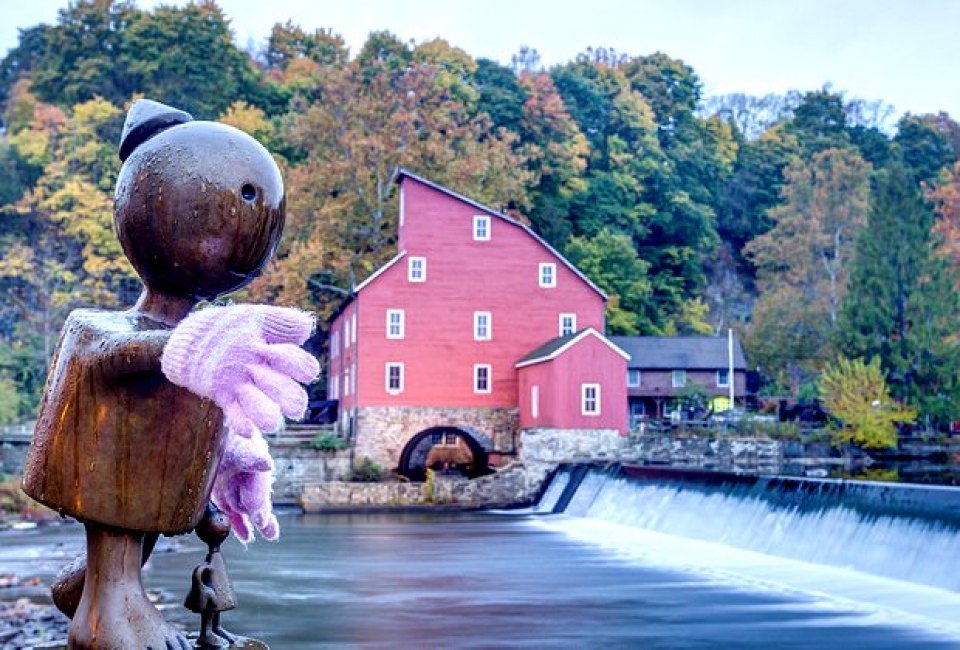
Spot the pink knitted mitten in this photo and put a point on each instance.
(247, 359)
(243, 486)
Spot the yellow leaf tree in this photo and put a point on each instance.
(856, 394)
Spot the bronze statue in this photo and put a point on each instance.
(199, 211)
(211, 592)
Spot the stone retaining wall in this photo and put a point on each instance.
(297, 467)
(516, 485)
(749, 454)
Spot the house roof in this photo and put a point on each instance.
(402, 173)
(680, 352)
(555, 347)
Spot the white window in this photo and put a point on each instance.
(481, 378)
(535, 402)
(353, 378)
(568, 324)
(394, 378)
(346, 382)
(679, 378)
(633, 377)
(482, 326)
(334, 386)
(417, 269)
(346, 332)
(548, 275)
(590, 399)
(481, 228)
(723, 377)
(395, 324)
(353, 329)
(334, 344)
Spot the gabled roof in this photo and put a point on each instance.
(680, 352)
(555, 347)
(373, 276)
(402, 173)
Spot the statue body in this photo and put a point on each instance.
(199, 210)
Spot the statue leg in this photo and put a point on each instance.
(208, 637)
(219, 631)
(114, 611)
(67, 588)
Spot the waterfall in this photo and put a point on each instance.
(903, 532)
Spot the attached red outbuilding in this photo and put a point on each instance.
(574, 382)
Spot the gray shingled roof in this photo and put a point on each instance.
(549, 347)
(680, 352)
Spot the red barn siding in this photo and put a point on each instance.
(463, 276)
(589, 361)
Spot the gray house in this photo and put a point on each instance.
(661, 367)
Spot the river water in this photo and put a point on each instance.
(509, 580)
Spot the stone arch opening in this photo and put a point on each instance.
(446, 449)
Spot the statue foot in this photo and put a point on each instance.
(211, 640)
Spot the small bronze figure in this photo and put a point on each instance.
(199, 211)
(211, 592)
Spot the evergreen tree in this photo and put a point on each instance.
(902, 306)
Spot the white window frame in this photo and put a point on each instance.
(346, 382)
(412, 275)
(353, 329)
(477, 367)
(585, 399)
(400, 324)
(334, 344)
(573, 324)
(479, 219)
(725, 384)
(478, 316)
(400, 376)
(548, 283)
(346, 332)
(353, 378)
(334, 387)
(639, 381)
(535, 401)
(678, 378)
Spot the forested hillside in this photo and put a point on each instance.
(795, 219)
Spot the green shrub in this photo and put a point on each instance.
(328, 442)
(366, 471)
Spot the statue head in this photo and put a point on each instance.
(199, 205)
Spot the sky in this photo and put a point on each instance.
(903, 52)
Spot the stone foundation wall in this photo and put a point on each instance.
(570, 445)
(383, 431)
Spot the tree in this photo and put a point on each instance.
(803, 262)
(856, 394)
(905, 309)
(184, 56)
(610, 260)
(945, 196)
(925, 150)
(289, 42)
(372, 117)
(63, 252)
